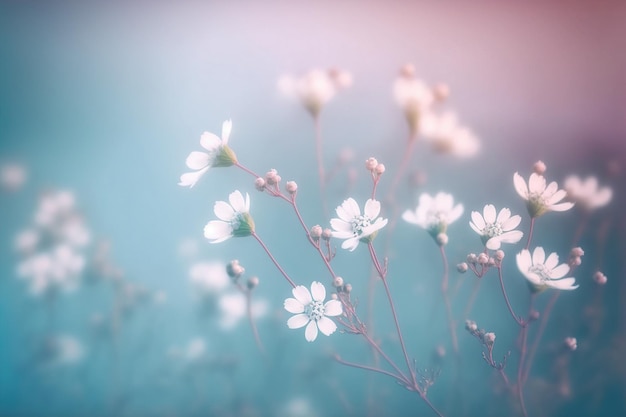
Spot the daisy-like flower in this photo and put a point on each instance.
(310, 311)
(543, 273)
(448, 136)
(354, 226)
(496, 230)
(234, 219)
(587, 193)
(540, 198)
(219, 155)
(413, 96)
(434, 214)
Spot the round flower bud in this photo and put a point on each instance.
(534, 315)
(291, 187)
(576, 261)
(338, 282)
(272, 177)
(471, 326)
(577, 251)
(471, 258)
(491, 261)
(234, 269)
(599, 278)
(489, 338)
(316, 232)
(334, 296)
(539, 167)
(259, 184)
(253, 282)
(571, 343)
(442, 239)
(462, 267)
(380, 169)
(482, 259)
(370, 164)
(327, 234)
(499, 255)
(347, 288)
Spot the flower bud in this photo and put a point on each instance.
(482, 259)
(407, 71)
(253, 282)
(599, 278)
(334, 296)
(272, 177)
(442, 239)
(577, 252)
(316, 232)
(370, 164)
(539, 168)
(347, 288)
(471, 326)
(259, 184)
(291, 187)
(571, 343)
(338, 282)
(327, 234)
(491, 261)
(489, 338)
(462, 267)
(534, 315)
(576, 261)
(234, 269)
(471, 258)
(380, 169)
(499, 255)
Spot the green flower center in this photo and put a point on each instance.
(315, 310)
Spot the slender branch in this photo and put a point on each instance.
(249, 171)
(282, 271)
(446, 299)
(530, 232)
(400, 379)
(542, 327)
(508, 304)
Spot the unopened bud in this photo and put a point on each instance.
(370, 164)
(577, 251)
(599, 278)
(442, 239)
(334, 296)
(259, 184)
(291, 187)
(234, 269)
(407, 71)
(471, 258)
(489, 338)
(253, 282)
(316, 232)
(462, 267)
(534, 315)
(327, 234)
(272, 177)
(347, 288)
(482, 259)
(471, 325)
(576, 261)
(338, 282)
(539, 168)
(499, 255)
(380, 169)
(571, 343)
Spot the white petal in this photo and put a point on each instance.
(210, 141)
(479, 222)
(536, 183)
(333, 308)
(556, 197)
(489, 213)
(560, 271)
(191, 178)
(513, 236)
(410, 217)
(343, 214)
(302, 294)
(310, 334)
(603, 197)
(372, 208)
(511, 223)
(561, 207)
(341, 225)
(326, 326)
(297, 321)
(318, 291)
(237, 201)
(552, 261)
(350, 244)
(539, 256)
(342, 234)
(520, 186)
(494, 243)
(456, 212)
(524, 261)
(197, 160)
(293, 306)
(217, 231)
(352, 208)
(476, 229)
(550, 190)
(534, 278)
(563, 284)
(223, 211)
(504, 215)
(227, 126)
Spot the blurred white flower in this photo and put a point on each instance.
(297, 407)
(540, 198)
(235, 219)
(413, 96)
(354, 226)
(12, 176)
(219, 155)
(434, 214)
(587, 194)
(448, 136)
(233, 309)
(310, 311)
(496, 230)
(26, 241)
(208, 277)
(315, 88)
(543, 273)
(61, 350)
(56, 270)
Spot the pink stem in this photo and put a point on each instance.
(508, 304)
(530, 232)
(444, 291)
(282, 271)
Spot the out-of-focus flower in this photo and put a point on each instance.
(26, 241)
(310, 311)
(56, 270)
(540, 198)
(496, 230)
(448, 136)
(434, 214)
(413, 96)
(571, 343)
(315, 88)
(543, 273)
(235, 219)
(12, 176)
(61, 350)
(208, 278)
(354, 226)
(233, 308)
(219, 155)
(587, 194)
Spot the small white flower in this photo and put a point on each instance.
(413, 96)
(539, 197)
(310, 311)
(208, 277)
(233, 308)
(496, 230)
(543, 273)
(354, 226)
(448, 136)
(587, 193)
(235, 219)
(315, 88)
(434, 214)
(219, 155)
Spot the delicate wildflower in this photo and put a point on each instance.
(235, 219)
(219, 155)
(539, 197)
(434, 214)
(448, 136)
(496, 230)
(413, 96)
(587, 193)
(208, 278)
(354, 226)
(543, 273)
(310, 311)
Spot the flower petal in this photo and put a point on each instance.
(513, 236)
(298, 321)
(524, 261)
(341, 225)
(561, 207)
(503, 216)
(511, 223)
(217, 231)
(318, 291)
(372, 208)
(563, 284)
(293, 306)
(190, 179)
(536, 183)
(455, 214)
(494, 243)
(210, 141)
(560, 271)
(197, 160)
(520, 186)
(556, 197)
(489, 213)
(552, 261)
(227, 126)
(352, 208)
(326, 326)
(479, 222)
(333, 308)
(310, 334)
(350, 244)
(237, 201)
(302, 294)
(223, 211)
(410, 217)
(539, 256)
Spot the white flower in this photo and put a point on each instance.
(539, 197)
(315, 88)
(235, 219)
(434, 213)
(219, 155)
(208, 277)
(586, 193)
(310, 311)
(354, 226)
(496, 230)
(543, 273)
(413, 96)
(233, 308)
(448, 136)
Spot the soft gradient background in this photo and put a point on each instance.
(107, 99)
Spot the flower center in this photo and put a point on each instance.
(315, 310)
(359, 223)
(493, 229)
(541, 271)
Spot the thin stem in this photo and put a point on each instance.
(432, 407)
(249, 171)
(508, 304)
(530, 232)
(520, 391)
(255, 331)
(542, 327)
(282, 271)
(406, 157)
(446, 299)
(472, 299)
(400, 379)
(387, 358)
